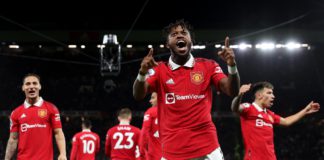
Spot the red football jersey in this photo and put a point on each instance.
(35, 124)
(150, 144)
(122, 142)
(85, 145)
(184, 106)
(257, 131)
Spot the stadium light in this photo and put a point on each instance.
(110, 56)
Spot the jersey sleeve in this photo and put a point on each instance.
(14, 124)
(143, 144)
(244, 109)
(97, 144)
(276, 118)
(55, 117)
(152, 78)
(217, 73)
(107, 144)
(74, 149)
(137, 150)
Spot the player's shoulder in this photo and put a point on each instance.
(19, 108)
(151, 109)
(95, 134)
(245, 105)
(135, 128)
(161, 66)
(78, 134)
(204, 60)
(49, 104)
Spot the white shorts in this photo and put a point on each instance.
(217, 154)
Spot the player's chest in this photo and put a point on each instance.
(185, 80)
(33, 115)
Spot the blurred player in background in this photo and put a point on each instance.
(122, 140)
(150, 145)
(257, 120)
(85, 144)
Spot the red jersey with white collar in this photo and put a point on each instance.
(184, 106)
(85, 145)
(150, 145)
(122, 142)
(257, 130)
(35, 124)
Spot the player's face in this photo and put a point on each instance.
(267, 97)
(153, 99)
(31, 87)
(179, 41)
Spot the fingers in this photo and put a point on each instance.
(150, 53)
(226, 42)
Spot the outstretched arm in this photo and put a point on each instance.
(140, 87)
(231, 84)
(238, 99)
(60, 141)
(12, 145)
(312, 107)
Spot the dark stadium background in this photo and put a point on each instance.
(71, 78)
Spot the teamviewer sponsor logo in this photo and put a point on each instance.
(24, 127)
(169, 98)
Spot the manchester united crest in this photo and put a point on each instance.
(196, 77)
(42, 113)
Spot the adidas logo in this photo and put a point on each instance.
(170, 81)
(23, 115)
(260, 116)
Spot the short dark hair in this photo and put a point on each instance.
(181, 22)
(86, 123)
(124, 113)
(259, 86)
(31, 75)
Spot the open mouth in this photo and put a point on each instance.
(181, 44)
(32, 92)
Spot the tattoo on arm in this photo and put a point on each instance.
(12, 145)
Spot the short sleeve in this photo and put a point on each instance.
(276, 118)
(244, 109)
(14, 124)
(217, 73)
(55, 117)
(152, 78)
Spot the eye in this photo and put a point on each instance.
(184, 33)
(173, 34)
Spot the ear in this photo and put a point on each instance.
(22, 88)
(167, 46)
(258, 95)
(40, 87)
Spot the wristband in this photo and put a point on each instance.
(140, 78)
(232, 69)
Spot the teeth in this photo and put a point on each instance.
(181, 43)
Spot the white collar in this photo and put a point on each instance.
(190, 63)
(124, 122)
(38, 103)
(86, 130)
(259, 108)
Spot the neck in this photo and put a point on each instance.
(86, 129)
(259, 104)
(180, 60)
(32, 100)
